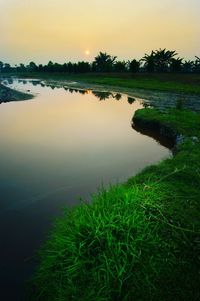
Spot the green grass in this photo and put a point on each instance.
(148, 82)
(179, 83)
(136, 241)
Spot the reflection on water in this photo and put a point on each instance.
(61, 145)
(101, 95)
(150, 98)
(131, 100)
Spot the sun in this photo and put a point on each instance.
(87, 52)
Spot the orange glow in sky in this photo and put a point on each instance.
(71, 30)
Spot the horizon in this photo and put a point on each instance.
(63, 31)
(13, 65)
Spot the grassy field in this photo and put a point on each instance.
(136, 241)
(179, 83)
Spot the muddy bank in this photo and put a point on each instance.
(156, 99)
(7, 94)
(158, 125)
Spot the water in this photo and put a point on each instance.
(59, 146)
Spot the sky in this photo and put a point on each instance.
(75, 30)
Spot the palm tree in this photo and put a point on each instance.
(176, 64)
(120, 66)
(134, 66)
(1, 66)
(163, 59)
(149, 61)
(188, 66)
(159, 60)
(197, 64)
(104, 62)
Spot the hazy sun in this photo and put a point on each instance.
(87, 52)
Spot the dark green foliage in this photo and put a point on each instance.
(134, 66)
(197, 64)
(32, 67)
(149, 62)
(120, 66)
(160, 60)
(176, 64)
(104, 62)
(1, 66)
(188, 66)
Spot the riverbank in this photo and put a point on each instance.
(138, 240)
(160, 91)
(7, 94)
(183, 83)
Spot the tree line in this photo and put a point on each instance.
(160, 60)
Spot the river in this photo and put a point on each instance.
(61, 146)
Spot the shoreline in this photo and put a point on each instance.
(162, 94)
(7, 94)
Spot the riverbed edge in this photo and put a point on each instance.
(7, 94)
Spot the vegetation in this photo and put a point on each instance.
(103, 62)
(160, 60)
(178, 83)
(135, 241)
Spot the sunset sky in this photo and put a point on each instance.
(71, 30)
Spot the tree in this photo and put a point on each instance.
(69, 67)
(49, 67)
(158, 60)
(1, 66)
(188, 66)
(197, 64)
(176, 64)
(134, 66)
(32, 67)
(103, 62)
(120, 66)
(149, 61)
(163, 59)
(40, 67)
(22, 68)
(83, 67)
(7, 67)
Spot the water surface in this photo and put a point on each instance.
(59, 146)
